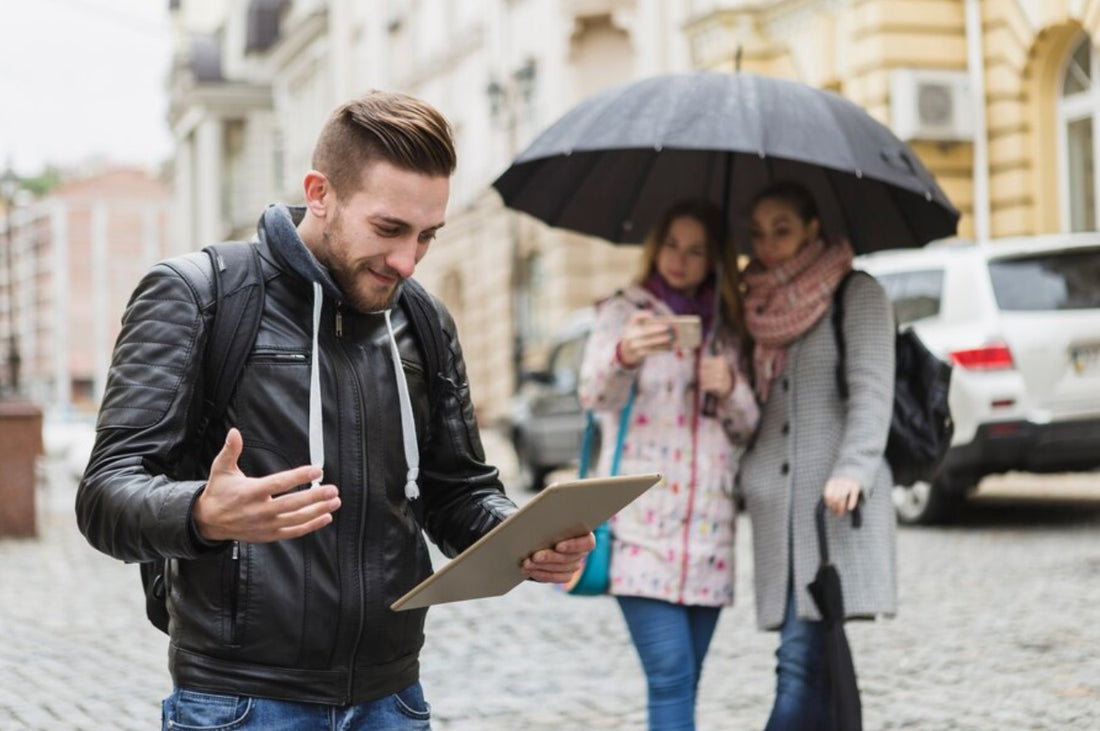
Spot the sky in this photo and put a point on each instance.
(83, 79)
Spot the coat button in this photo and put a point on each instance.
(787, 428)
(785, 468)
(786, 384)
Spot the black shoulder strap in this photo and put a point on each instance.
(429, 331)
(238, 308)
(838, 333)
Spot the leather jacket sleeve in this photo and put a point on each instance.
(133, 501)
(463, 496)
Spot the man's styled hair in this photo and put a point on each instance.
(397, 128)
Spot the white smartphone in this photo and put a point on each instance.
(687, 330)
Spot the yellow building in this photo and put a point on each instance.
(997, 97)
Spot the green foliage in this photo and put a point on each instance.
(43, 183)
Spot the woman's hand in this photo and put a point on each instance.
(643, 336)
(715, 376)
(841, 495)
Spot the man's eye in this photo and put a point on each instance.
(388, 231)
(427, 236)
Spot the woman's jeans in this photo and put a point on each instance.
(671, 641)
(191, 710)
(801, 692)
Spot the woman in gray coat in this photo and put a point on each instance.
(811, 444)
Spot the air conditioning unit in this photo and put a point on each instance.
(931, 105)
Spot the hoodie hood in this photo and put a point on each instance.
(278, 228)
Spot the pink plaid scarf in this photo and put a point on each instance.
(783, 303)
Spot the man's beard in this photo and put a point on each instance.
(349, 282)
(349, 279)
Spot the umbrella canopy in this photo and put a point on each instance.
(611, 165)
(844, 702)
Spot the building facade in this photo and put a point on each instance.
(76, 255)
(999, 99)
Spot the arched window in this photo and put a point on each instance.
(1078, 112)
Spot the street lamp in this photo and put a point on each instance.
(9, 187)
(505, 100)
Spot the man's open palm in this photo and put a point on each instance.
(234, 506)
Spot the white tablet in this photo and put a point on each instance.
(491, 566)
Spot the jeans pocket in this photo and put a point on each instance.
(190, 710)
(410, 703)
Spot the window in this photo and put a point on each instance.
(1077, 115)
(531, 287)
(1059, 281)
(916, 295)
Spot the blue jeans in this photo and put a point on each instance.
(801, 689)
(671, 641)
(191, 710)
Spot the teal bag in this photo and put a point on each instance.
(594, 578)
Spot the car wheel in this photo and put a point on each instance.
(926, 503)
(531, 476)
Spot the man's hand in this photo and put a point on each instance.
(260, 509)
(558, 564)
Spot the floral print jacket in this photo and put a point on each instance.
(676, 541)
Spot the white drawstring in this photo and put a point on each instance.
(316, 420)
(408, 423)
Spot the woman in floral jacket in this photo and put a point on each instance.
(672, 555)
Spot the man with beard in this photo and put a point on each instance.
(289, 540)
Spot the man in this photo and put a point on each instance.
(279, 596)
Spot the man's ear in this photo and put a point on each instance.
(318, 193)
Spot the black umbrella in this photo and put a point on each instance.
(612, 164)
(844, 703)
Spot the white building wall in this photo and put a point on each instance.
(448, 52)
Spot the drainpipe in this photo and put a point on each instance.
(976, 68)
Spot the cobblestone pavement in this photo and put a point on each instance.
(997, 630)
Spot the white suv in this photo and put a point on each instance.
(1020, 321)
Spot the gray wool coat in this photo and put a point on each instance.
(806, 435)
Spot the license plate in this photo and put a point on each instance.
(1085, 359)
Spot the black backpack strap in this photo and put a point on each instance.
(425, 319)
(238, 308)
(838, 333)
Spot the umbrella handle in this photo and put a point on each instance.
(819, 520)
(710, 401)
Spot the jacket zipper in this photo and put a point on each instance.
(691, 487)
(354, 384)
(294, 357)
(234, 590)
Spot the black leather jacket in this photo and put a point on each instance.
(305, 619)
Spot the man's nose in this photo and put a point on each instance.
(402, 259)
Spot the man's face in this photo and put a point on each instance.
(374, 237)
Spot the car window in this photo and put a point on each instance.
(1067, 280)
(565, 363)
(916, 295)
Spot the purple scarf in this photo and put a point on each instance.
(702, 304)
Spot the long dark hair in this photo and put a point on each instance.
(719, 250)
